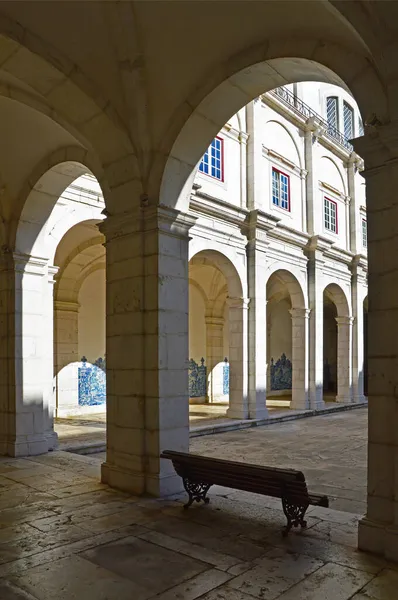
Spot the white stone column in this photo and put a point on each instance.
(257, 329)
(146, 348)
(26, 404)
(48, 338)
(66, 316)
(214, 355)
(300, 396)
(344, 358)
(358, 292)
(238, 363)
(378, 531)
(315, 346)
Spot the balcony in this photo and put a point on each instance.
(301, 108)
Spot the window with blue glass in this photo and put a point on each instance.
(280, 189)
(212, 162)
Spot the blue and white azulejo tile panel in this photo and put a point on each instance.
(92, 383)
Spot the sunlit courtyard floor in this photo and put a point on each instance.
(65, 536)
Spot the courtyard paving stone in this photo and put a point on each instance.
(99, 544)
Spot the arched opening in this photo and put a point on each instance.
(236, 91)
(287, 342)
(79, 321)
(337, 345)
(217, 324)
(53, 208)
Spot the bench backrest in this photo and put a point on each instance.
(269, 481)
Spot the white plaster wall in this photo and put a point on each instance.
(281, 330)
(229, 190)
(91, 334)
(197, 327)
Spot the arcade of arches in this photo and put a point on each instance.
(131, 101)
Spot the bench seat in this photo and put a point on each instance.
(199, 473)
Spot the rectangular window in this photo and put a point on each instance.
(348, 115)
(364, 233)
(332, 112)
(330, 215)
(212, 162)
(280, 189)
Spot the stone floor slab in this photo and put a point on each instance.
(274, 574)
(384, 585)
(77, 578)
(148, 565)
(330, 582)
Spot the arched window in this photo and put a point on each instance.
(332, 112)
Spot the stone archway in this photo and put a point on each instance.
(287, 338)
(43, 222)
(225, 322)
(337, 344)
(79, 321)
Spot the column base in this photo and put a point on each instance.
(140, 484)
(237, 413)
(259, 413)
(299, 404)
(52, 440)
(24, 446)
(359, 399)
(344, 399)
(378, 538)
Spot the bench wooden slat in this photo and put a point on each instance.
(199, 473)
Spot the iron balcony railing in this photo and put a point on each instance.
(294, 102)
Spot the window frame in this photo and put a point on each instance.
(276, 170)
(222, 178)
(327, 199)
(351, 109)
(364, 233)
(335, 126)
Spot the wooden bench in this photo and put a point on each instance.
(199, 473)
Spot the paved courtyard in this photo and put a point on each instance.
(64, 536)
(329, 449)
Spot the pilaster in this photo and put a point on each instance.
(344, 359)
(238, 363)
(300, 381)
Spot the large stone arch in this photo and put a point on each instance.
(237, 325)
(294, 281)
(30, 234)
(246, 77)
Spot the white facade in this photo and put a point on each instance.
(267, 283)
(302, 279)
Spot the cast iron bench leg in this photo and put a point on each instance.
(294, 514)
(196, 491)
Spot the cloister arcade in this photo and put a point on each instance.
(141, 136)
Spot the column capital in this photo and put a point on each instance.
(238, 303)
(214, 321)
(148, 218)
(379, 147)
(35, 265)
(66, 306)
(344, 321)
(300, 313)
